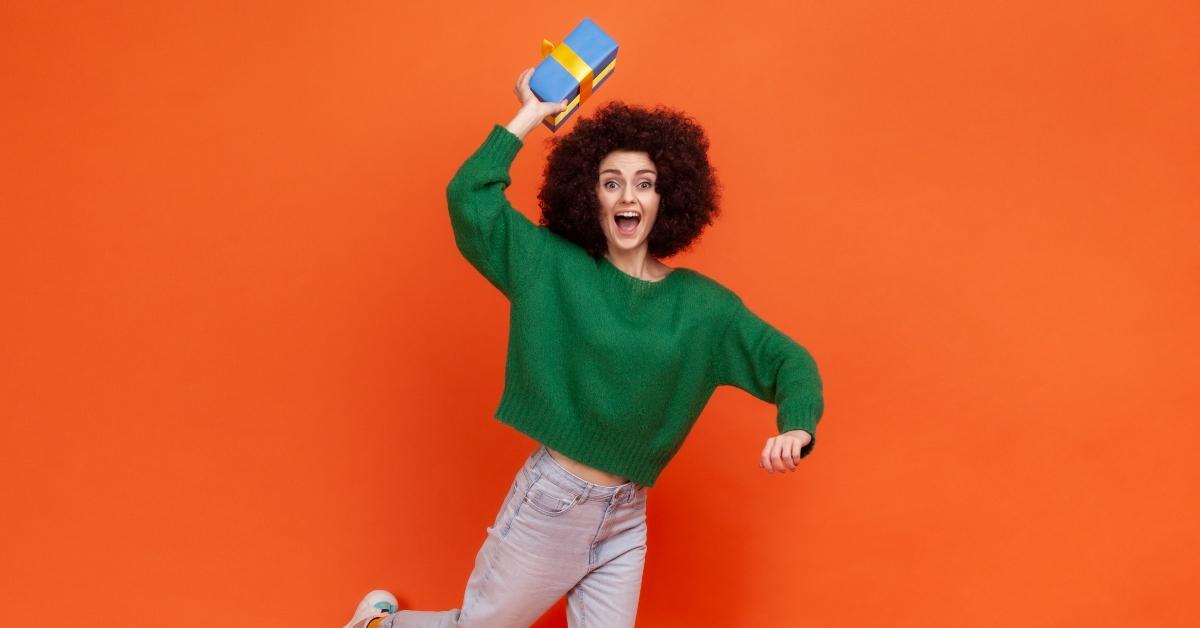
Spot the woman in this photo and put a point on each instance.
(612, 355)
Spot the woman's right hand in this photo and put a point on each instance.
(533, 111)
(529, 101)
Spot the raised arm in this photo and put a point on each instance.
(500, 242)
(766, 363)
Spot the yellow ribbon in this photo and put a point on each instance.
(573, 64)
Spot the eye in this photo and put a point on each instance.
(608, 184)
(648, 184)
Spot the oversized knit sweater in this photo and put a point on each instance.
(609, 369)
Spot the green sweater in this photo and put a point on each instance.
(607, 368)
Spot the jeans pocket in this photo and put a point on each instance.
(549, 498)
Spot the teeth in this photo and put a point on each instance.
(628, 214)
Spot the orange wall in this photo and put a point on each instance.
(247, 376)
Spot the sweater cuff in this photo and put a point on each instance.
(808, 424)
(789, 424)
(501, 146)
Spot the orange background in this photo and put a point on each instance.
(247, 376)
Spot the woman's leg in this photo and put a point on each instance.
(540, 545)
(608, 595)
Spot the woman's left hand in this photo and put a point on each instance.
(782, 452)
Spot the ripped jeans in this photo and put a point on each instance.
(555, 534)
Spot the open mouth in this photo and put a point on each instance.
(627, 222)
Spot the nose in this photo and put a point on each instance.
(628, 196)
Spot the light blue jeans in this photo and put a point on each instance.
(555, 534)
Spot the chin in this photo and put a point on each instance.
(627, 244)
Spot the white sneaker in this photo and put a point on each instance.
(377, 603)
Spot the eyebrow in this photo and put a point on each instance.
(614, 170)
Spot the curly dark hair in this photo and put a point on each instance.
(687, 184)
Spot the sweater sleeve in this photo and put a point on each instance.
(763, 361)
(495, 238)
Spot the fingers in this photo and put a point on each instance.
(522, 86)
(776, 463)
(525, 94)
(780, 454)
(522, 83)
(785, 453)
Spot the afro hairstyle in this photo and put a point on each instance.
(687, 185)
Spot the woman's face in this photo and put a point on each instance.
(626, 187)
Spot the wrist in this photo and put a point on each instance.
(798, 431)
(526, 119)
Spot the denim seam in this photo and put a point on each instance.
(595, 538)
(487, 576)
(582, 606)
(532, 479)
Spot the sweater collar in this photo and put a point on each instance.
(637, 282)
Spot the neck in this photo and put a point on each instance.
(637, 262)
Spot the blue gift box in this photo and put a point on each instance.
(574, 69)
